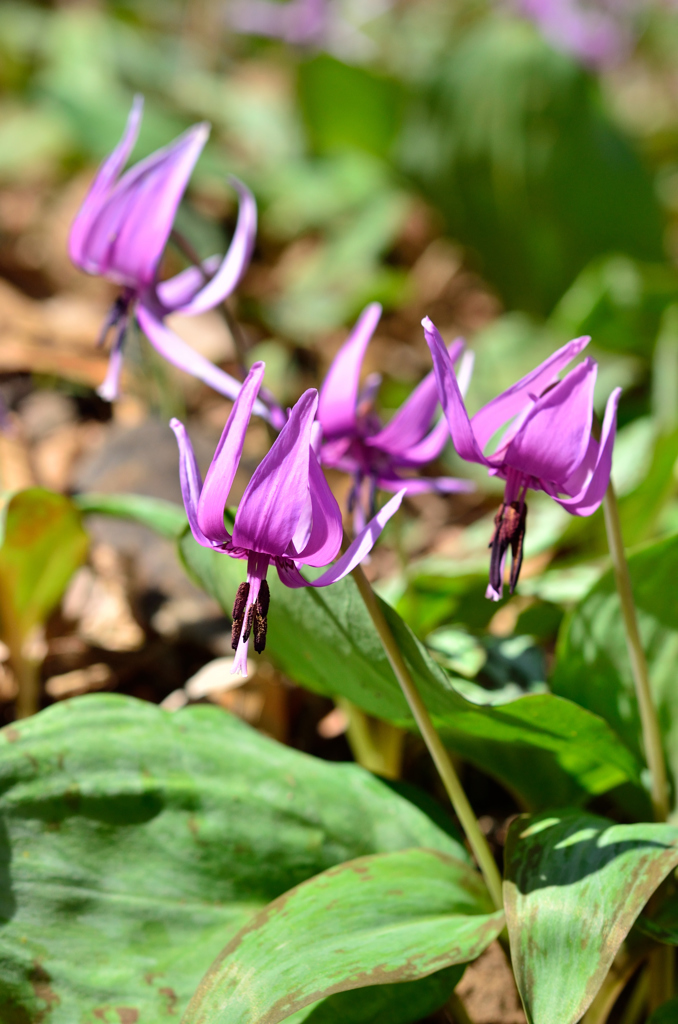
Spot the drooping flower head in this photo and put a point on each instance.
(288, 516)
(121, 232)
(356, 442)
(548, 444)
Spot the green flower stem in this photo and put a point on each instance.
(441, 759)
(652, 740)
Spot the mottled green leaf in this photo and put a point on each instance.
(134, 843)
(382, 919)
(593, 666)
(575, 883)
(546, 749)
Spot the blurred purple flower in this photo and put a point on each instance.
(288, 516)
(298, 22)
(548, 447)
(598, 33)
(354, 439)
(120, 233)
(317, 24)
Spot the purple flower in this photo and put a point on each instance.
(354, 439)
(298, 22)
(288, 516)
(599, 33)
(120, 233)
(548, 446)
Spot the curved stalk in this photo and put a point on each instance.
(437, 750)
(652, 740)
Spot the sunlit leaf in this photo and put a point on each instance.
(134, 843)
(575, 883)
(544, 748)
(593, 666)
(382, 919)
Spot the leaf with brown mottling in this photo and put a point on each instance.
(378, 920)
(134, 843)
(575, 884)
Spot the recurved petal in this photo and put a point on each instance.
(339, 393)
(175, 350)
(110, 388)
(177, 290)
(236, 259)
(425, 484)
(408, 426)
(597, 466)
(101, 186)
(504, 407)
(463, 437)
(326, 532)
(361, 546)
(276, 497)
(554, 437)
(191, 481)
(224, 465)
(129, 233)
(429, 447)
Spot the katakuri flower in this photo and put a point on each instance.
(355, 441)
(288, 516)
(549, 445)
(120, 233)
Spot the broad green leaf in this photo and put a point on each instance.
(661, 923)
(43, 545)
(386, 918)
(592, 665)
(165, 517)
(345, 106)
(546, 749)
(399, 1003)
(134, 843)
(575, 883)
(666, 1014)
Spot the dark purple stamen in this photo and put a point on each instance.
(239, 613)
(509, 531)
(260, 623)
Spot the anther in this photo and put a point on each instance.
(241, 601)
(239, 613)
(236, 630)
(264, 599)
(259, 632)
(509, 531)
(248, 624)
